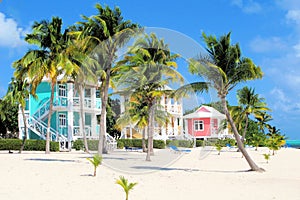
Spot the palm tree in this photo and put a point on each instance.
(107, 32)
(137, 114)
(145, 70)
(250, 103)
(51, 60)
(123, 182)
(96, 160)
(275, 139)
(18, 93)
(262, 120)
(224, 68)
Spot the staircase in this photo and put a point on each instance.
(111, 142)
(40, 129)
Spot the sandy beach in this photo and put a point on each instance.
(196, 175)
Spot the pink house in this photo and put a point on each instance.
(204, 123)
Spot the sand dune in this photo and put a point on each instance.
(196, 175)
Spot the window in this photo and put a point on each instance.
(62, 120)
(198, 125)
(62, 91)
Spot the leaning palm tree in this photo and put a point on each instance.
(49, 61)
(123, 182)
(224, 68)
(107, 32)
(18, 92)
(145, 70)
(250, 103)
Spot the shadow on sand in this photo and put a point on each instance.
(50, 160)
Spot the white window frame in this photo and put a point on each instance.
(62, 118)
(62, 90)
(197, 125)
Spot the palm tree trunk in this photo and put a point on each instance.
(150, 132)
(25, 127)
(245, 129)
(47, 151)
(240, 145)
(104, 97)
(143, 140)
(82, 118)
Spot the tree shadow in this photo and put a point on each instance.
(154, 168)
(50, 160)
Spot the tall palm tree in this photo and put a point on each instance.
(145, 70)
(262, 120)
(250, 103)
(84, 75)
(224, 68)
(107, 32)
(49, 61)
(18, 92)
(137, 114)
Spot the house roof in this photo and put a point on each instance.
(205, 112)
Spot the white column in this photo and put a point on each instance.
(70, 87)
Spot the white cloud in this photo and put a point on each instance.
(10, 34)
(279, 95)
(263, 45)
(247, 6)
(293, 16)
(282, 103)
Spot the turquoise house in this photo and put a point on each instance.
(65, 120)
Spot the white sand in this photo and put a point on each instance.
(196, 175)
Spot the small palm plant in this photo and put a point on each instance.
(267, 157)
(123, 182)
(96, 160)
(219, 146)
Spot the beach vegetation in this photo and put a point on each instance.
(148, 66)
(267, 157)
(78, 145)
(106, 31)
(30, 145)
(18, 93)
(249, 104)
(96, 160)
(50, 59)
(8, 119)
(123, 182)
(224, 68)
(275, 139)
(218, 145)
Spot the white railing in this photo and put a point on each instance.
(111, 142)
(40, 128)
(77, 132)
(44, 109)
(173, 108)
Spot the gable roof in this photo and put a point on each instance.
(205, 112)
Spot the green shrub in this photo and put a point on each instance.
(199, 143)
(30, 145)
(230, 141)
(127, 142)
(120, 144)
(78, 145)
(159, 144)
(137, 143)
(180, 143)
(93, 145)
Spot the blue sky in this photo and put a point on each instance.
(267, 31)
